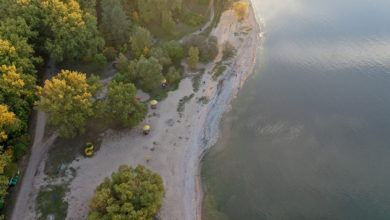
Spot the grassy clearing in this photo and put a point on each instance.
(87, 68)
(183, 101)
(218, 70)
(181, 29)
(65, 150)
(46, 205)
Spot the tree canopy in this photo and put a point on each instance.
(124, 108)
(140, 40)
(129, 194)
(116, 24)
(67, 100)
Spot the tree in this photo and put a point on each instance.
(116, 24)
(67, 100)
(68, 33)
(174, 49)
(131, 194)
(110, 53)
(160, 55)
(18, 92)
(16, 33)
(193, 57)
(5, 159)
(167, 22)
(8, 122)
(173, 76)
(140, 39)
(208, 47)
(241, 9)
(122, 104)
(149, 73)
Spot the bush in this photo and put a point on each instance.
(99, 60)
(19, 150)
(193, 57)
(110, 53)
(228, 50)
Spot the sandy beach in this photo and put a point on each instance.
(177, 141)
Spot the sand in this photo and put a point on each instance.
(177, 141)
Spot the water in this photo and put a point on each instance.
(309, 135)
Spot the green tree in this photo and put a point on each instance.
(16, 33)
(149, 73)
(67, 31)
(173, 76)
(131, 194)
(122, 104)
(67, 100)
(140, 40)
(5, 159)
(167, 22)
(241, 9)
(160, 55)
(116, 24)
(174, 49)
(193, 57)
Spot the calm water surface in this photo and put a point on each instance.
(309, 135)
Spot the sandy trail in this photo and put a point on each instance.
(175, 143)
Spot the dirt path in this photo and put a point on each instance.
(38, 151)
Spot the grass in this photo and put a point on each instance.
(218, 70)
(183, 101)
(46, 205)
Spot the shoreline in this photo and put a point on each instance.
(236, 88)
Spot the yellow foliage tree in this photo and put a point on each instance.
(67, 100)
(8, 122)
(241, 9)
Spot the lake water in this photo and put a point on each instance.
(308, 136)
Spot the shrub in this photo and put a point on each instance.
(19, 150)
(228, 50)
(99, 60)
